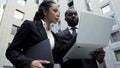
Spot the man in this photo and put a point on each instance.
(68, 38)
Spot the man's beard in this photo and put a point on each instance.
(73, 23)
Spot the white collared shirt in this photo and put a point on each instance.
(70, 30)
(49, 35)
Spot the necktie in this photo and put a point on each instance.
(73, 31)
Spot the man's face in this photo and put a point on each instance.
(71, 17)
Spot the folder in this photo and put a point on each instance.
(41, 51)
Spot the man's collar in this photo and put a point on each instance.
(69, 27)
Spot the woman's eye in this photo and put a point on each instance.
(55, 10)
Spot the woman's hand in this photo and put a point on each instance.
(38, 63)
(98, 54)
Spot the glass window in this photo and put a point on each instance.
(101, 1)
(8, 67)
(14, 29)
(57, 0)
(59, 24)
(69, 1)
(106, 9)
(112, 16)
(115, 37)
(71, 4)
(19, 14)
(37, 1)
(1, 11)
(89, 6)
(9, 44)
(47, 0)
(117, 55)
(22, 2)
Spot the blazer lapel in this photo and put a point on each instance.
(68, 34)
(41, 30)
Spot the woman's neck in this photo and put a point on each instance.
(47, 24)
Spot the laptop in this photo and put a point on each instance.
(93, 32)
(41, 51)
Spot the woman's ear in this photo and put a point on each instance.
(44, 12)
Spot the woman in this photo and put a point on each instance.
(32, 32)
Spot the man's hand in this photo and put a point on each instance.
(98, 54)
(38, 63)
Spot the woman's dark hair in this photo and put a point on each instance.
(45, 5)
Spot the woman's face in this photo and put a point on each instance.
(52, 16)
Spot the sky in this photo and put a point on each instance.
(2, 1)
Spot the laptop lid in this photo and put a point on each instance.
(93, 32)
(94, 29)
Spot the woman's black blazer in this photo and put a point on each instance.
(30, 33)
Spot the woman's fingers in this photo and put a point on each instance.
(38, 63)
(44, 61)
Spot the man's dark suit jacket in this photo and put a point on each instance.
(30, 33)
(68, 40)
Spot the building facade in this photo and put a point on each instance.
(14, 12)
